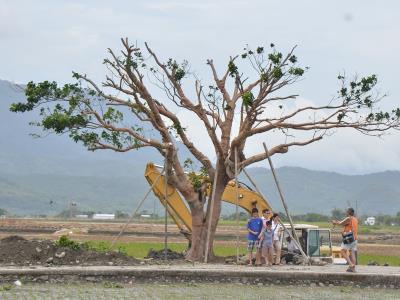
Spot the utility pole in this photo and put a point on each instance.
(72, 206)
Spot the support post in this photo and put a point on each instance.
(237, 207)
(211, 211)
(280, 193)
(166, 212)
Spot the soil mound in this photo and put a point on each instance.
(160, 254)
(15, 250)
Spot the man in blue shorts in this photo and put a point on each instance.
(254, 227)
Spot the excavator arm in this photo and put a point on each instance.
(177, 208)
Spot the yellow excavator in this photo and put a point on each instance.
(316, 243)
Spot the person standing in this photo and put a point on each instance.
(350, 237)
(266, 216)
(267, 243)
(254, 227)
(277, 231)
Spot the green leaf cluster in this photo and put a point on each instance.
(112, 115)
(178, 71)
(296, 71)
(45, 91)
(65, 241)
(248, 98)
(277, 72)
(358, 91)
(197, 179)
(88, 138)
(177, 127)
(232, 69)
(60, 122)
(360, 94)
(275, 57)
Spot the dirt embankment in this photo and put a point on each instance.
(15, 250)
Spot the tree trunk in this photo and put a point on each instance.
(200, 224)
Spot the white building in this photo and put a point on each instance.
(82, 216)
(370, 221)
(103, 216)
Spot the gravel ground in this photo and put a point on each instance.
(109, 290)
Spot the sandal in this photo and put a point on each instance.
(351, 269)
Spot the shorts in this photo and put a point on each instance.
(276, 244)
(267, 251)
(351, 246)
(251, 244)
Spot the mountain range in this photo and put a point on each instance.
(43, 176)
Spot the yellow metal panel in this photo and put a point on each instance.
(176, 207)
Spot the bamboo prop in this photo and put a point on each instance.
(166, 212)
(135, 211)
(211, 214)
(237, 206)
(280, 193)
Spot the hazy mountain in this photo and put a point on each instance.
(41, 176)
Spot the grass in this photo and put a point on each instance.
(140, 250)
(363, 259)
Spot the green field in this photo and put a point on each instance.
(140, 250)
(363, 259)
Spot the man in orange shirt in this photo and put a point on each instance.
(350, 236)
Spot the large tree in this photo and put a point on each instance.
(245, 100)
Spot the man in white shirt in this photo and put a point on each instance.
(277, 230)
(291, 246)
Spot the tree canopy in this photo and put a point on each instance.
(99, 117)
(245, 100)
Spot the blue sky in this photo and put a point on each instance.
(42, 40)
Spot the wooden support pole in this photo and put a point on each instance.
(166, 212)
(253, 183)
(237, 206)
(280, 193)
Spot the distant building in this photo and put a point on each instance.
(370, 221)
(82, 216)
(145, 216)
(103, 216)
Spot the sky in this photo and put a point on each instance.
(46, 40)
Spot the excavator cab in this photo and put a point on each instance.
(315, 242)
